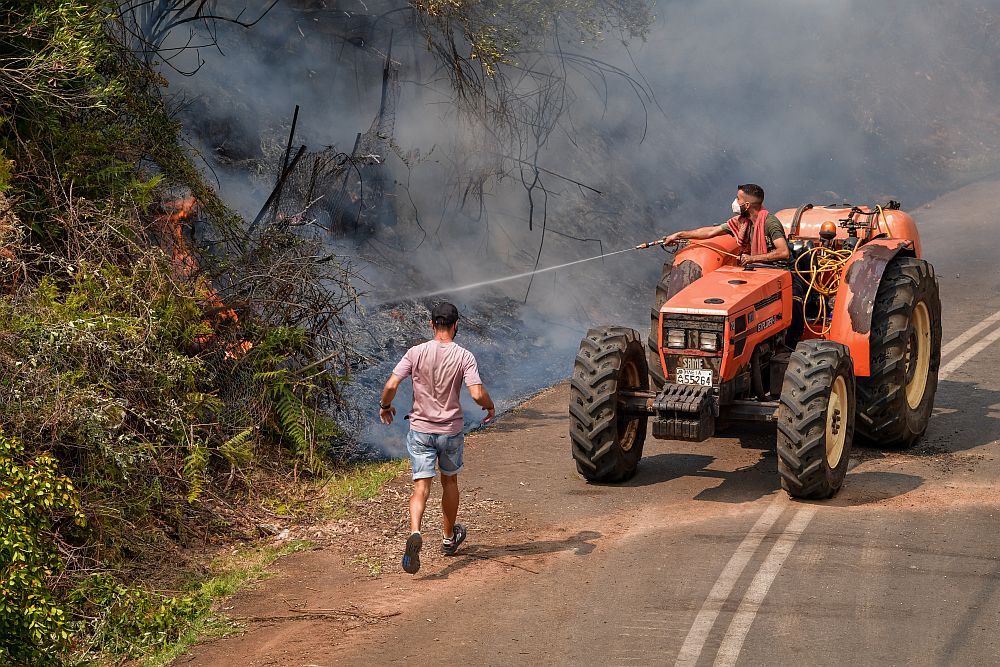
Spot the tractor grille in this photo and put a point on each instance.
(693, 326)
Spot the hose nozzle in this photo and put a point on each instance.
(650, 244)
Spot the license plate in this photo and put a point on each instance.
(703, 378)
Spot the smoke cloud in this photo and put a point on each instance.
(844, 101)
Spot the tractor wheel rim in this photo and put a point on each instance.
(836, 422)
(628, 426)
(918, 356)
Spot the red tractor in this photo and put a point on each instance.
(717, 351)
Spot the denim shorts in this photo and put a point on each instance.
(426, 449)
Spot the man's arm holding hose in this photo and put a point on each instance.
(780, 252)
(482, 397)
(699, 234)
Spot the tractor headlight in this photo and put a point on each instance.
(676, 338)
(708, 341)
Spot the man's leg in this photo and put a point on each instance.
(418, 501)
(450, 450)
(449, 503)
(422, 459)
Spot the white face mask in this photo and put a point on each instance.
(736, 207)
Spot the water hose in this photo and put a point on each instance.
(825, 268)
(885, 220)
(659, 242)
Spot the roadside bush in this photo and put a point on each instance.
(93, 363)
(127, 621)
(34, 497)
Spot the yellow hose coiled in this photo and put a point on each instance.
(826, 266)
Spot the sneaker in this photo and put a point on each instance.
(411, 559)
(449, 547)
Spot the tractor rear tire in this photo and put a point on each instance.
(816, 419)
(607, 443)
(656, 379)
(895, 402)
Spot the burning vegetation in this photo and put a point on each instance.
(174, 229)
(163, 365)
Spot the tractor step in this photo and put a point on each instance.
(752, 411)
(684, 412)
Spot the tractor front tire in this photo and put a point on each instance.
(607, 443)
(816, 419)
(895, 402)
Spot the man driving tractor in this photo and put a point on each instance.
(762, 240)
(719, 351)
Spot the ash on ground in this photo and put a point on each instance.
(520, 351)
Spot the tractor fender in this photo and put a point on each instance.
(852, 312)
(698, 258)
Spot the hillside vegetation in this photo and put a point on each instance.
(136, 403)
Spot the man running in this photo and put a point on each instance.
(438, 368)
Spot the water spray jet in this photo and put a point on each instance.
(526, 274)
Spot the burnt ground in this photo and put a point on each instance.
(900, 568)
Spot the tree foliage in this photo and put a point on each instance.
(51, 56)
(495, 32)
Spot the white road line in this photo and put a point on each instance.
(732, 643)
(969, 353)
(703, 622)
(736, 634)
(955, 343)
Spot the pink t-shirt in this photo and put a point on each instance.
(438, 370)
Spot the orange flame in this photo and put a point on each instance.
(176, 214)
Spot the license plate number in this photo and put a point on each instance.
(703, 378)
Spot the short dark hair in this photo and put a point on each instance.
(753, 190)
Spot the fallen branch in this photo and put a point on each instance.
(503, 562)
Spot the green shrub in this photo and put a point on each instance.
(128, 621)
(33, 497)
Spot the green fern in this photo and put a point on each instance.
(237, 450)
(278, 376)
(194, 469)
(292, 417)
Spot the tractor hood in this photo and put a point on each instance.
(746, 306)
(729, 291)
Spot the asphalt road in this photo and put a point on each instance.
(701, 559)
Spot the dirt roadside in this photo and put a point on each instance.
(326, 600)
